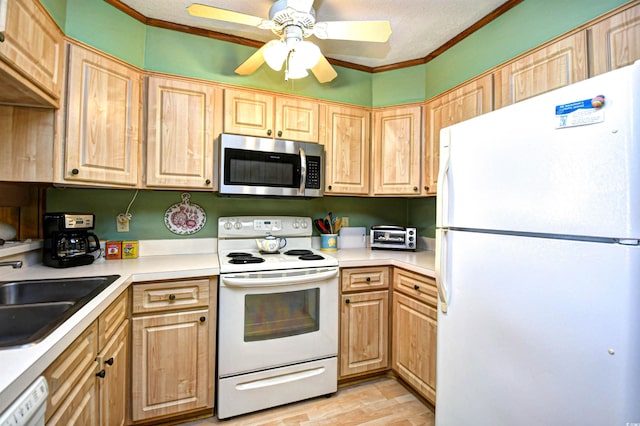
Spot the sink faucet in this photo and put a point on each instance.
(15, 264)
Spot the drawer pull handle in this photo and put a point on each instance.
(416, 286)
(75, 171)
(203, 319)
(109, 361)
(172, 296)
(101, 374)
(347, 301)
(368, 279)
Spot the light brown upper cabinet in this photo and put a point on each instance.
(102, 120)
(347, 150)
(263, 115)
(183, 118)
(397, 142)
(31, 56)
(550, 67)
(615, 42)
(464, 102)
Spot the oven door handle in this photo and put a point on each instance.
(239, 281)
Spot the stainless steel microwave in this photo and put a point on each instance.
(270, 167)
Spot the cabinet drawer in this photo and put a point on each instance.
(359, 279)
(162, 296)
(421, 287)
(71, 367)
(110, 320)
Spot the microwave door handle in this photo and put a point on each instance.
(303, 170)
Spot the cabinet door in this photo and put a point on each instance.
(26, 152)
(33, 45)
(102, 123)
(297, 120)
(80, 408)
(113, 386)
(614, 42)
(180, 132)
(556, 65)
(364, 332)
(347, 150)
(414, 344)
(248, 113)
(465, 102)
(72, 382)
(397, 144)
(170, 363)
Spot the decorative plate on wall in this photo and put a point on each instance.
(185, 218)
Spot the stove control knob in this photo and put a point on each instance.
(228, 225)
(304, 225)
(295, 225)
(237, 225)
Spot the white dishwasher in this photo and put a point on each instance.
(28, 409)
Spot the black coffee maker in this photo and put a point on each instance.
(67, 240)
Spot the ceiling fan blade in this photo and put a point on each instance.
(252, 64)
(204, 11)
(323, 70)
(377, 31)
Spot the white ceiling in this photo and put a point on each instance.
(419, 26)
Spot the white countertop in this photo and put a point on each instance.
(21, 366)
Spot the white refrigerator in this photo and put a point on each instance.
(538, 260)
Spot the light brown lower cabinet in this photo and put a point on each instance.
(414, 344)
(88, 382)
(173, 348)
(364, 321)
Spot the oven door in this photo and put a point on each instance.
(275, 318)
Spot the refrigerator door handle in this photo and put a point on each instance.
(442, 199)
(441, 267)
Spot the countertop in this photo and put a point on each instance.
(21, 366)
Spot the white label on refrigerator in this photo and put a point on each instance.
(580, 113)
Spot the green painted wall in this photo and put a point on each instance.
(149, 207)
(104, 27)
(57, 9)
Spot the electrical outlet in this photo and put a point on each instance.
(122, 225)
(345, 221)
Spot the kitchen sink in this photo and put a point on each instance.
(30, 310)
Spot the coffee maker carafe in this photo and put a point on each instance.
(67, 240)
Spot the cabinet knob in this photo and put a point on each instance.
(203, 319)
(269, 132)
(347, 301)
(2, 37)
(330, 187)
(416, 287)
(109, 361)
(207, 182)
(75, 171)
(415, 188)
(172, 296)
(101, 374)
(426, 188)
(279, 133)
(368, 279)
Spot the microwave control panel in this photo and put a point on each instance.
(313, 172)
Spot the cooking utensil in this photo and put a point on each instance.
(321, 226)
(327, 224)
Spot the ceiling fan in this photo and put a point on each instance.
(293, 21)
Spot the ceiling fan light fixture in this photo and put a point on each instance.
(275, 53)
(295, 67)
(308, 54)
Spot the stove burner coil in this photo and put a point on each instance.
(310, 257)
(242, 260)
(298, 252)
(238, 254)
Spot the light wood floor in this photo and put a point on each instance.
(380, 402)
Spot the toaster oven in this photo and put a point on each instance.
(393, 237)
